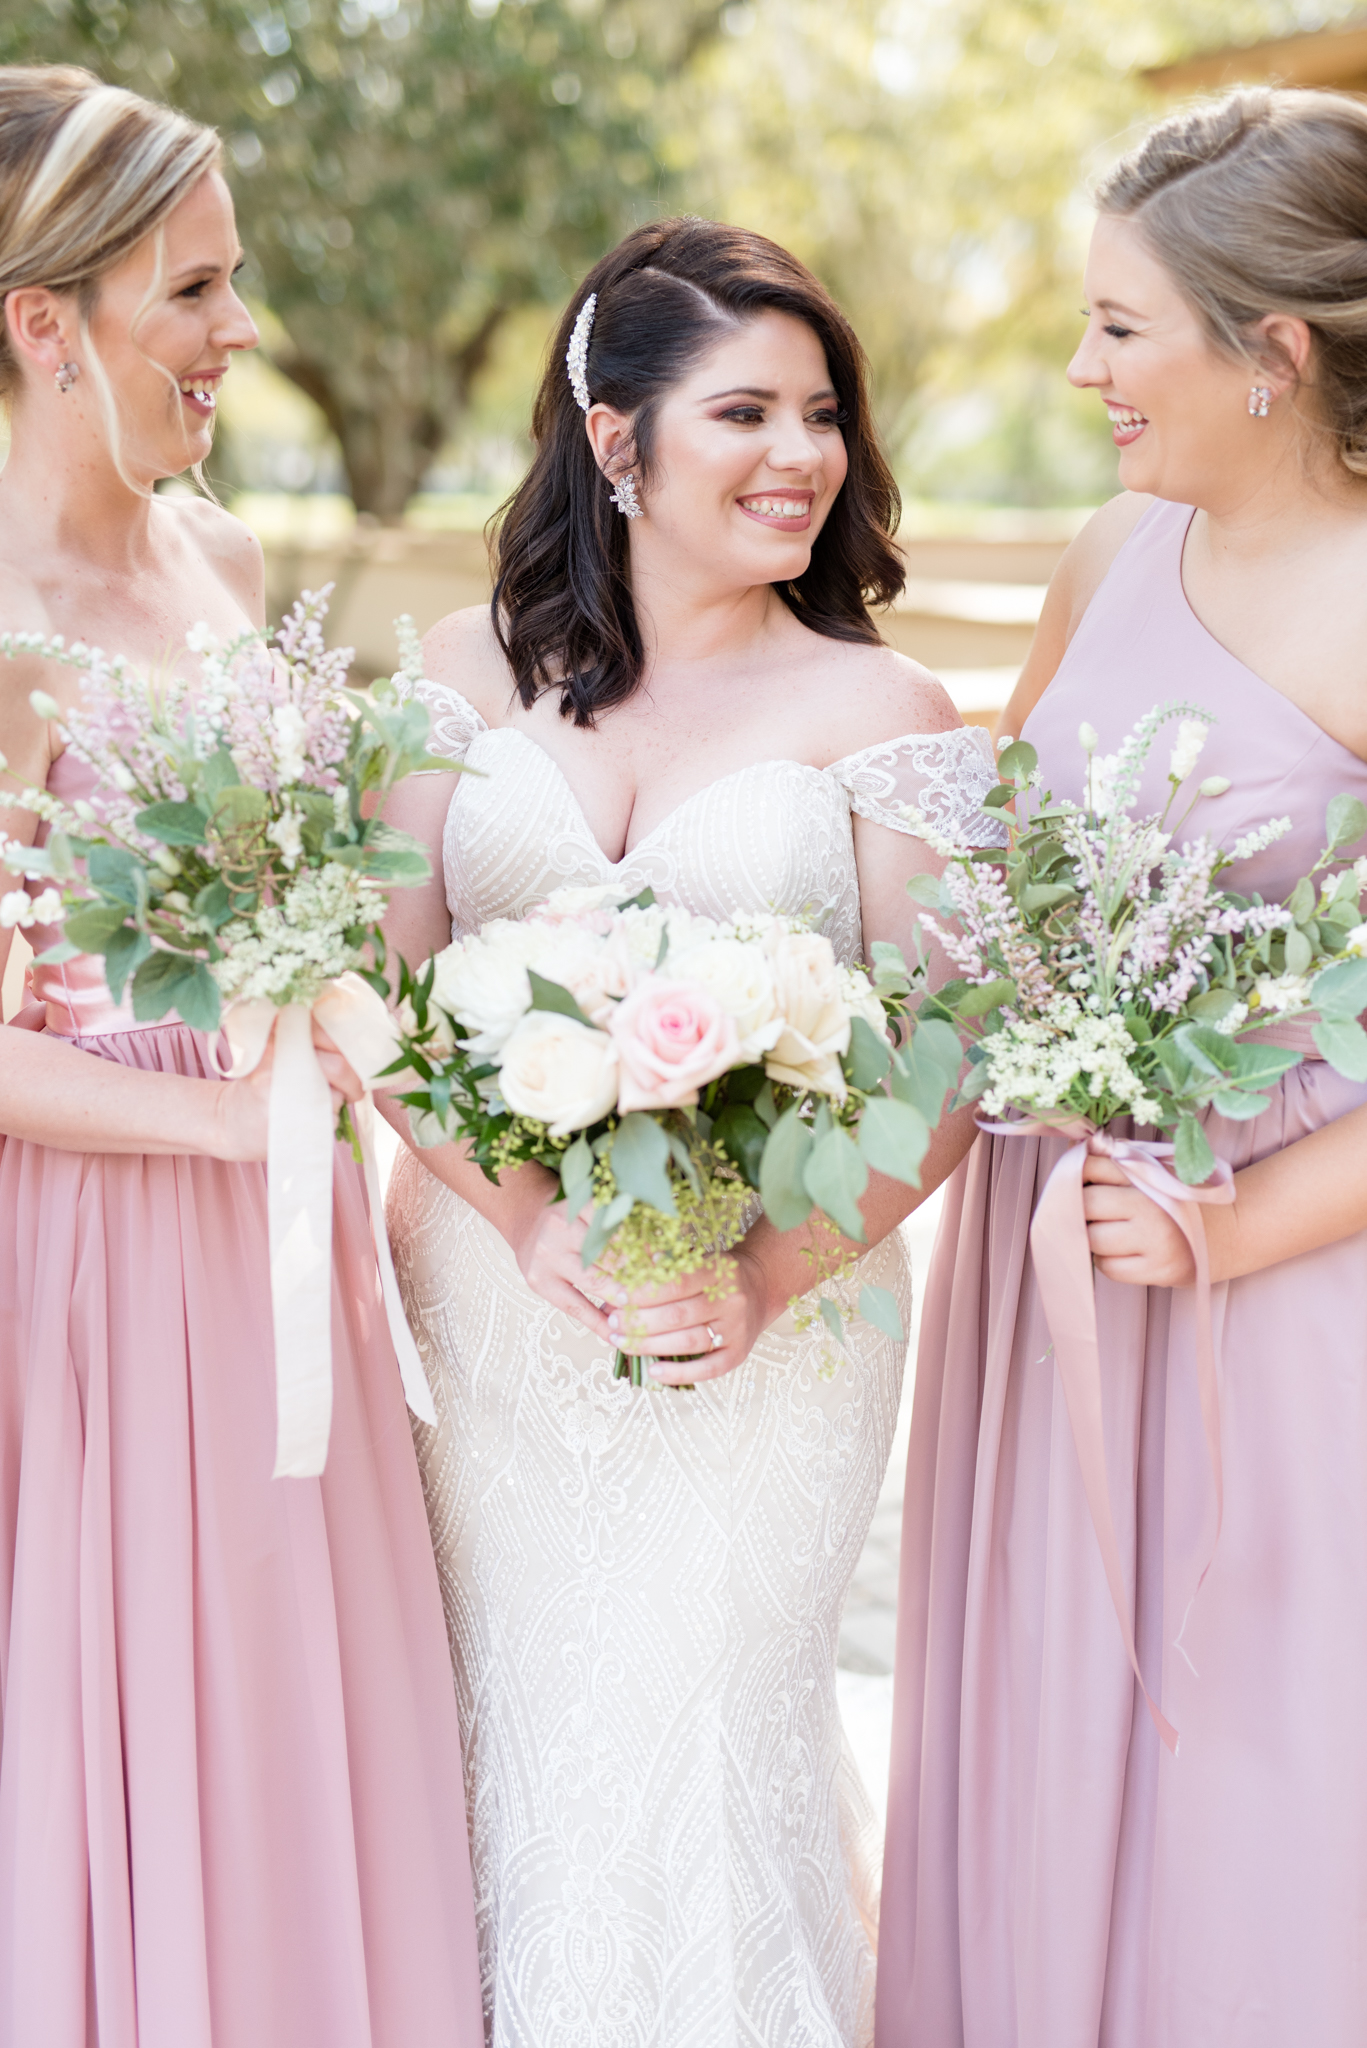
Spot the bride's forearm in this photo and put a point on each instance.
(512, 1204)
(788, 1259)
(1312, 1193)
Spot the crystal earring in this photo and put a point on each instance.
(1259, 402)
(66, 375)
(625, 498)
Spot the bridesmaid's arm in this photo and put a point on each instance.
(55, 1094)
(1313, 1192)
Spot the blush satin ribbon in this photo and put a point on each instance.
(1063, 1268)
(299, 1202)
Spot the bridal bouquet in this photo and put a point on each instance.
(668, 1069)
(1105, 971)
(226, 869)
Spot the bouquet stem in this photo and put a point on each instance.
(346, 1132)
(626, 1366)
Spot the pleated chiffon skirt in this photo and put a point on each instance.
(231, 1808)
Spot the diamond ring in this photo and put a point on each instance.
(717, 1341)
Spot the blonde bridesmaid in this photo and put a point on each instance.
(231, 1812)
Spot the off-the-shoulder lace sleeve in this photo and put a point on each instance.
(944, 775)
(455, 721)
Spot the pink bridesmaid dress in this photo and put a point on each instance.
(231, 1807)
(1055, 1878)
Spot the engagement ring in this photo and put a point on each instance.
(717, 1341)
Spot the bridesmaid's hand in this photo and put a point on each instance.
(680, 1323)
(1131, 1238)
(244, 1106)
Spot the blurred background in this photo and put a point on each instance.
(422, 183)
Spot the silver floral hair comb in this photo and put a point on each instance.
(577, 354)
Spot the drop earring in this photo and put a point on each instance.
(1259, 402)
(65, 376)
(624, 497)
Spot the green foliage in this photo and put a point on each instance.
(407, 172)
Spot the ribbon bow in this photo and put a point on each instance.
(299, 1202)
(1063, 1268)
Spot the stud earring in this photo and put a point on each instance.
(66, 375)
(1259, 402)
(625, 498)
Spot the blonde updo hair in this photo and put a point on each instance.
(1257, 204)
(87, 171)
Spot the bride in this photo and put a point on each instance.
(679, 687)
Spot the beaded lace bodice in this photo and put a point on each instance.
(670, 1845)
(774, 835)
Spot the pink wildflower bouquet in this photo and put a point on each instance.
(675, 1074)
(226, 869)
(224, 855)
(1105, 971)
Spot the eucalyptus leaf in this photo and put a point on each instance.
(781, 1175)
(927, 1067)
(1238, 1105)
(124, 953)
(742, 1137)
(576, 1175)
(831, 1317)
(1193, 1158)
(640, 1162)
(1299, 952)
(1341, 990)
(212, 904)
(238, 807)
(605, 1221)
(878, 1305)
(58, 955)
(220, 772)
(1046, 895)
(980, 997)
(925, 889)
(1343, 1043)
(115, 873)
(174, 824)
(167, 981)
(835, 1176)
(894, 1137)
(1018, 761)
(91, 928)
(1302, 899)
(643, 900)
(974, 1083)
(869, 1056)
(1345, 821)
(999, 797)
(766, 1108)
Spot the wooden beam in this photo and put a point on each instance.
(1326, 57)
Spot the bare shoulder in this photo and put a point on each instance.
(873, 695)
(462, 651)
(229, 548)
(1087, 558)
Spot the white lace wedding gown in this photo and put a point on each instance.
(671, 1848)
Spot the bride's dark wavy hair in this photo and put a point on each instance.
(562, 604)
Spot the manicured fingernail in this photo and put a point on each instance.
(615, 1325)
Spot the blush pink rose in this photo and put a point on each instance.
(671, 1037)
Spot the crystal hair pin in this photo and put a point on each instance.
(577, 354)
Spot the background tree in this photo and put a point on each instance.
(407, 172)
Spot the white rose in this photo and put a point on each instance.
(816, 1024)
(578, 902)
(740, 980)
(482, 981)
(559, 1072)
(644, 929)
(597, 971)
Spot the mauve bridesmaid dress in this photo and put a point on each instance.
(231, 1808)
(1054, 1878)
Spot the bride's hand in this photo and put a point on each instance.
(547, 1248)
(679, 1324)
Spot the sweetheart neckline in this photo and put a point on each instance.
(704, 789)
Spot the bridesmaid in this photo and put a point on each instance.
(231, 1809)
(1054, 1878)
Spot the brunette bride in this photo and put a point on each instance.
(679, 686)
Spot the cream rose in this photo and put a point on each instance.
(596, 971)
(816, 1023)
(482, 981)
(559, 1071)
(671, 1037)
(859, 999)
(740, 978)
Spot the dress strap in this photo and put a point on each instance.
(945, 775)
(455, 721)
